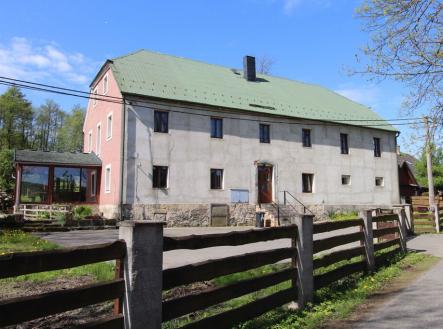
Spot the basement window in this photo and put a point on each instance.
(379, 181)
(345, 179)
(308, 183)
(216, 179)
(160, 177)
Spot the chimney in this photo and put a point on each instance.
(249, 68)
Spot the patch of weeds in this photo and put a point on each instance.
(343, 215)
(19, 241)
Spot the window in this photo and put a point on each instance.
(160, 177)
(108, 179)
(379, 181)
(306, 137)
(377, 149)
(34, 184)
(94, 96)
(344, 144)
(161, 121)
(109, 126)
(93, 183)
(308, 183)
(265, 133)
(216, 128)
(99, 139)
(345, 179)
(90, 141)
(216, 179)
(105, 84)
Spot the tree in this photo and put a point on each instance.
(70, 135)
(49, 119)
(406, 45)
(6, 170)
(16, 116)
(265, 64)
(437, 169)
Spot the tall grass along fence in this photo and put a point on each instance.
(427, 219)
(21, 309)
(311, 261)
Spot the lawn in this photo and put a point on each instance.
(18, 241)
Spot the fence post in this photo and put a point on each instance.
(436, 217)
(410, 220)
(366, 215)
(305, 267)
(142, 306)
(402, 227)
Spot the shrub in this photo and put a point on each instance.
(81, 212)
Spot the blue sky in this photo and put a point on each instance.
(65, 43)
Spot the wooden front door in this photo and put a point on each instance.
(264, 184)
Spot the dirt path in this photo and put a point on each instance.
(414, 300)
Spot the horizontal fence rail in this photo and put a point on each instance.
(385, 218)
(236, 238)
(385, 231)
(39, 261)
(338, 256)
(322, 280)
(214, 268)
(335, 225)
(335, 241)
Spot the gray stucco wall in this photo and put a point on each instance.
(190, 152)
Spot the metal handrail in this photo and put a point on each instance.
(293, 197)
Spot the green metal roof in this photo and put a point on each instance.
(157, 75)
(57, 158)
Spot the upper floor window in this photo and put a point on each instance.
(216, 128)
(265, 133)
(308, 183)
(216, 179)
(379, 181)
(109, 126)
(105, 84)
(90, 141)
(344, 144)
(161, 121)
(94, 97)
(306, 137)
(99, 139)
(160, 177)
(345, 179)
(377, 148)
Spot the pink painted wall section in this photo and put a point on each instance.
(110, 147)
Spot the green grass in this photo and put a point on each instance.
(18, 241)
(344, 215)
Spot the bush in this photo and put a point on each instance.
(6, 201)
(81, 212)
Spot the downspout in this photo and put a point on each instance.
(396, 164)
(122, 156)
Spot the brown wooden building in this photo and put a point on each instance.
(408, 183)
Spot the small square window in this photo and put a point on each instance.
(379, 181)
(160, 177)
(308, 183)
(377, 148)
(344, 144)
(265, 133)
(345, 179)
(216, 179)
(216, 128)
(161, 122)
(306, 137)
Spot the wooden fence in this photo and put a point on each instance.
(21, 309)
(43, 211)
(426, 219)
(312, 263)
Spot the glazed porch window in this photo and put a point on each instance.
(34, 184)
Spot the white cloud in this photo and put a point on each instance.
(289, 5)
(21, 59)
(368, 95)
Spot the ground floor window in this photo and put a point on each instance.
(34, 184)
(308, 183)
(160, 177)
(216, 179)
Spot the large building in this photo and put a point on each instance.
(199, 144)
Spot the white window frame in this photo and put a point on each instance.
(93, 182)
(90, 141)
(105, 84)
(98, 142)
(108, 179)
(109, 126)
(94, 95)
